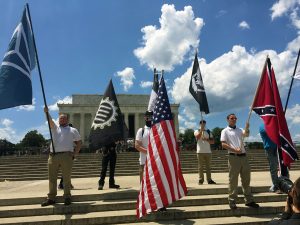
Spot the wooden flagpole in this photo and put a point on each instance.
(40, 74)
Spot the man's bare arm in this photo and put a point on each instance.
(139, 146)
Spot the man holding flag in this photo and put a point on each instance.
(162, 182)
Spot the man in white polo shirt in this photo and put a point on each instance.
(232, 140)
(141, 141)
(64, 138)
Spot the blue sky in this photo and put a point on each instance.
(82, 44)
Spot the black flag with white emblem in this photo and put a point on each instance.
(108, 125)
(197, 87)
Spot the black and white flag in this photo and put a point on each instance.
(154, 90)
(108, 125)
(197, 87)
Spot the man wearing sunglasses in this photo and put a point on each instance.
(232, 140)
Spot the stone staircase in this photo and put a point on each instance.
(201, 206)
(34, 167)
(24, 186)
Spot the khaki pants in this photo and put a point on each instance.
(141, 170)
(204, 159)
(239, 165)
(65, 162)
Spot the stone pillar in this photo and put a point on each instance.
(136, 122)
(71, 118)
(176, 124)
(82, 127)
(126, 119)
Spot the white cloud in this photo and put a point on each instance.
(27, 107)
(6, 122)
(6, 131)
(293, 114)
(166, 46)
(127, 77)
(65, 100)
(146, 84)
(244, 25)
(231, 79)
(221, 13)
(287, 7)
(282, 7)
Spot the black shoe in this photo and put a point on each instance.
(60, 186)
(114, 186)
(252, 205)
(48, 202)
(100, 187)
(232, 205)
(211, 182)
(68, 201)
(200, 181)
(163, 209)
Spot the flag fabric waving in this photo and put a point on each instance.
(154, 90)
(197, 87)
(108, 125)
(19, 60)
(267, 104)
(162, 181)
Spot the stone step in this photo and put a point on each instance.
(117, 205)
(230, 220)
(129, 216)
(129, 194)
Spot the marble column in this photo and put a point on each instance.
(126, 119)
(136, 122)
(82, 127)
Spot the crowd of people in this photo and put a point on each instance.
(67, 144)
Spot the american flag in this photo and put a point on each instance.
(267, 104)
(162, 182)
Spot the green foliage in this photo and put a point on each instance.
(188, 136)
(6, 147)
(255, 145)
(216, 132)
(33, 139)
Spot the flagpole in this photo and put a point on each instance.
(289, 93)
(40, 75)
(260, 79)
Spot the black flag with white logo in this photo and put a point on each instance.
(197, 87)
(108, 125)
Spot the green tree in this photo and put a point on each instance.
(216, 132)
(33, 139)
(5, 147)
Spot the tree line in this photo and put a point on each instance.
(188, 141)
(32, 143)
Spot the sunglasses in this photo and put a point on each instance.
(233, 118)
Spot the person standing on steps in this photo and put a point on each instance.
(204, 140)
(232, 140)
(141, 141)
(64, 138)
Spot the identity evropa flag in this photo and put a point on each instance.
(108, 125)
(19, 60)
(197, 87)
(154, 90)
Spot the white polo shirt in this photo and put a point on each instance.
(203, 146)
(144, 139)
(233, 137)
(63, 138)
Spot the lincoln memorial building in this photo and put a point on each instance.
(81, 112)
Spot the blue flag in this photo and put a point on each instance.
(19, 60)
